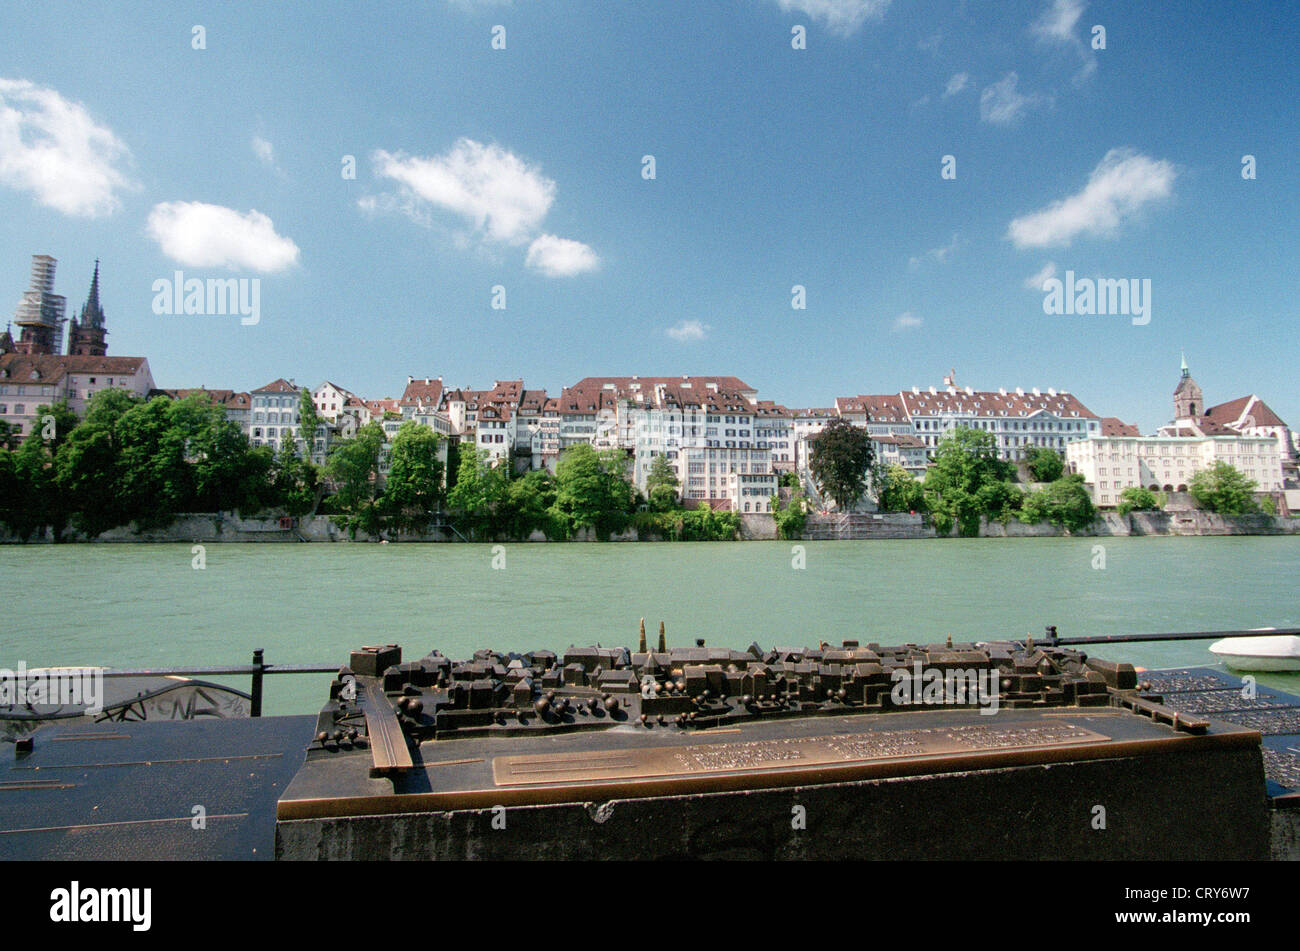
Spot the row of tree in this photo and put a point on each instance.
(148, 461)
(967, 482)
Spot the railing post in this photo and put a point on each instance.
(257, 683)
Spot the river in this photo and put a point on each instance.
(148, 605)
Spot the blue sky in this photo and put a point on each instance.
(774, 167)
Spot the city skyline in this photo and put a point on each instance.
(775, 167)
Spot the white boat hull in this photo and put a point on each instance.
(1279, 652)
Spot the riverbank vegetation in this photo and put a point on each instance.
(145, 462)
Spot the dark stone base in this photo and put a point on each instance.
(1202, 805)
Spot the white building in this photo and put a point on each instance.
(1019, 420)
(273, 413)
(333, 401)
(1111, 464)
(1245, 434)
(751, 492)
(708, 471)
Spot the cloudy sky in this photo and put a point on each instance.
(649, 182)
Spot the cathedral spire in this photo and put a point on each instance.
(1186, 372)
(88, 332)
(92, 314)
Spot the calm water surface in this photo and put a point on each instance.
(137, 605)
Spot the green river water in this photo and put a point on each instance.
(147, 605)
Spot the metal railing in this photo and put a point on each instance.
(257, 670)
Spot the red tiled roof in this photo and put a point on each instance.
(625, 383)
(989, 404)
(886, 408)
(19, 367)
(1114, 426)
(1252, 406)
(278, 386)
(228, 399)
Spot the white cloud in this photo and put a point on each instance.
(1058, 20)
(497, 192)
(264, 151)
(503, 198)
(1056, 27)
(561, 257)
(1121, 184)
(838, 16)
(685, 330)
(199, 235)
(906, 321)
(934, 254)
(956, 84)
(1002, 104)
(1035, 281)
(51, 147)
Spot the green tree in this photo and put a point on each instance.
(1224, 489)
(790, 520)
(591, 490)
(295, 481)
(414, 487)
(353, 468)
(61, 423)
(227, 473)
(1045, 465)
(897, 491)
(1065, 503)
(30, 500)
(662, 485)
(1137, 499)
(11, 435)
(967, 481)
(309, 422)
(88, 469)
(87, 476)
(479, 488)
(840, 459)
(526, 506)
(154, 481)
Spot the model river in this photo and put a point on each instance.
(170, 605)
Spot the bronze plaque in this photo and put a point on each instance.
(789, 753)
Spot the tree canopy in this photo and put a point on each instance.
(1065, 503)
(840, 458)
(897, 491)
(1224, 489)
(1044, 464)
(968, 481)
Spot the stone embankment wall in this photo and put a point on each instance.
(1110, 524)
(199, 528)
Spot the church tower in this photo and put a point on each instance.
(86, 335)
(1187, 396)
(40, 313)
